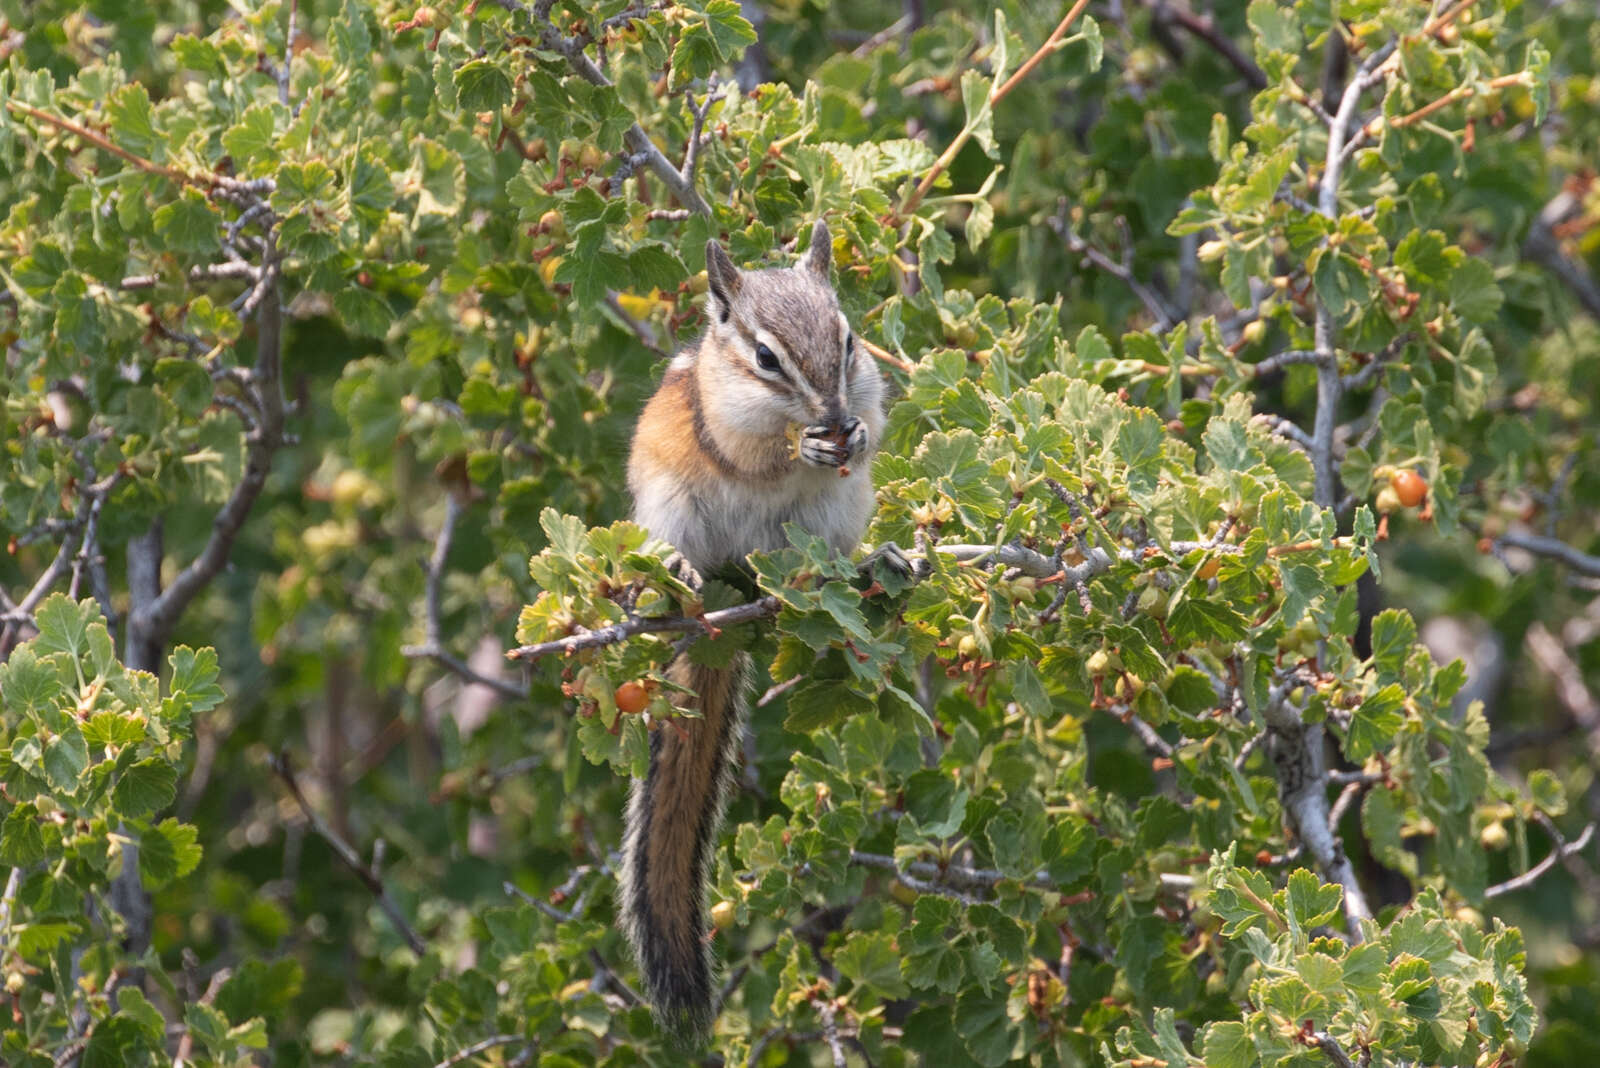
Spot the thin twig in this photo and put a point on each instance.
(637, 141)
(478, 1047)
(691, 154)
(1554, 548)
(1123, 272)
(432, 647)
(1544, 248)
(346, 853)
(995, 96)
(186, 1043)
(1205, 28)
(154, 620)
(760, 608)
(1329, 385)
(1559, 852)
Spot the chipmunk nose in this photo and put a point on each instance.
(835, 419)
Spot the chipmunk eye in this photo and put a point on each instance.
(849, 346)
(767, 359)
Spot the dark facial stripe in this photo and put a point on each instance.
(702, 434)
(777, 387)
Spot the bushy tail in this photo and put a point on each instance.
(673, 818)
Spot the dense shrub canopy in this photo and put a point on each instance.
(1227, 347)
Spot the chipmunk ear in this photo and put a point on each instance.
(819, 257)
(724, 279)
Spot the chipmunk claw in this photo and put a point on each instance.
(894, 558)
(679, 566)
(826, 446)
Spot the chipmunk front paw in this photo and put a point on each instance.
(825, 446)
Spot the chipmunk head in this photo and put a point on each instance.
(778, 343)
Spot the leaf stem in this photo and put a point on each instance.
(996, 95)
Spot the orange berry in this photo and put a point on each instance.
(1410, 487)
(632, 698)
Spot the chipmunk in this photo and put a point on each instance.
(770, 417)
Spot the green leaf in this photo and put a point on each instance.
(251, 137)
(1312, 903)
(1374, 723)
(133, 121)
(168, 852)
(186, 384)
(872, 961)
(481, 86)
(986, 1030)
(1227, 1044)
(197, 54)
(591, 275)
(1274, 27)
(1547, 792)
(362, 311)
(730, 30)
(132, 1003)
(980, 113)
(194, 674)
(28, 685)
(1474, 294)
(1197, 620)
(822, 703)
(145, 788)
(188, 224)
(64, 625)
(21, 840)
(65, 758)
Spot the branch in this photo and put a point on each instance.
(1560, 852)
(204, 180)
(432, 647)
(352, 860)
(1123, 271)
(760, 608)
(282, 73)
(830, 1030)
(478, 1047)
(883, 355)
(1331, 1047)
(1571, 691)
(637, 140)
(1553, 548)
(1302, 784)
(1363, 377)
(1282, 360)
(155, 620)
(1329, 385)
(1028, 561)
(995, 96)
(210, 272)
(1203, 27)
(691, 154)
(945, 878)
(1544, 248)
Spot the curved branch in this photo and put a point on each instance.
(1562, 851)
(710, 623)
(995, 96)
(1555, 549)
(638, 142)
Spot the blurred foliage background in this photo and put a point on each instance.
(412, 286)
